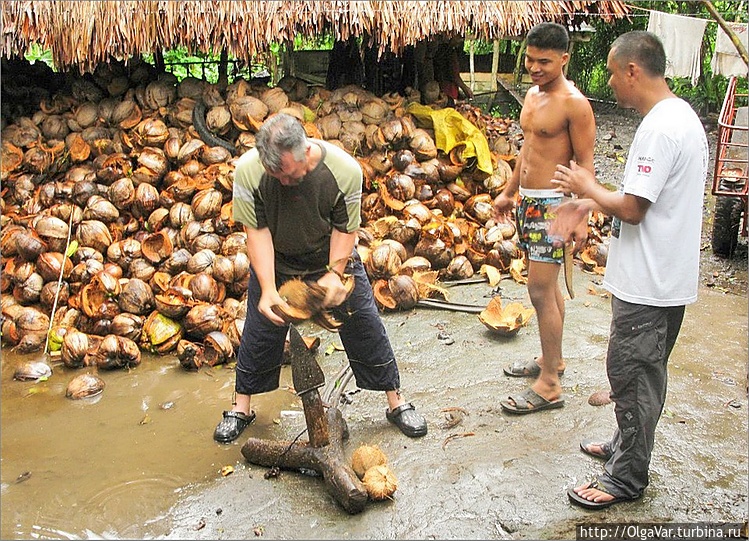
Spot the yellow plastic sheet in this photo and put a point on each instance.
(452, 128)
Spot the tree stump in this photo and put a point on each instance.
(328, 460)
(327, 431)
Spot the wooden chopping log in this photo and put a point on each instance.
(329, 461)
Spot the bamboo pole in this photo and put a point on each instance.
(470, 62)
(495, 65)
(518, 73)
(728, 30)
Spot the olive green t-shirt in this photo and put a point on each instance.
(300, 218)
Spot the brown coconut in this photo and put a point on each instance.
(84, 386)
(365, 457)
(380, 482)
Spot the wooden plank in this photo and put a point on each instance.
(506, 80)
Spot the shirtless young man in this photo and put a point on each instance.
(557, 123)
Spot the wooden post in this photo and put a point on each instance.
(314, 414)
(329, 460)
(518, 73)
(470, 62)
(158, 60)
(569, 52)
(326, 430)
(495, 65)
(223, 69)
(289, 67)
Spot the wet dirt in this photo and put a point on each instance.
(140, 461)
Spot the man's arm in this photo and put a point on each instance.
(592, 196)
(582, 130)
(341, 246)
(262, 257)
(505, 201)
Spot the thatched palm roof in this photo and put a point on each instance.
(86, 33)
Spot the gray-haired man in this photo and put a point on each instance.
(299, 200)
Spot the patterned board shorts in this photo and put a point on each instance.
(534, 217)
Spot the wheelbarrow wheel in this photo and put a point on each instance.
(726, 222)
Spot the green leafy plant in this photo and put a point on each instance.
(588, 63)
(37, 53)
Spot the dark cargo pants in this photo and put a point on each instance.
(363, 336)
(640, 344)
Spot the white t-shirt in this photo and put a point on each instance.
(656, 262)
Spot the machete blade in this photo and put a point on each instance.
(568, 266)
(306, 374)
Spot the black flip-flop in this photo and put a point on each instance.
(578, 500)
(605, 448)
(529, 401)
(529, 369)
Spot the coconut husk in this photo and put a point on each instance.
(84, 386)
(600, 398)
(12, 157)
(79, 149)
(380, 482)
(505, 320)
(366, 457)
(218, 119)
(383, 296)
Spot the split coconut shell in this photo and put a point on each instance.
(505, 321)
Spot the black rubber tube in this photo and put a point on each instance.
(208, 137)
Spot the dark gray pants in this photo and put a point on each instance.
(640, 343)
(363, 336)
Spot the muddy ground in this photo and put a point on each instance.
(141, 462)
(496, 476)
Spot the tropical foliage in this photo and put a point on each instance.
(588, 64)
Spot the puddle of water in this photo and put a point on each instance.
(94, 468)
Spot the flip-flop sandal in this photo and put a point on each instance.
(529, 401)
(578, 500)
(529, 369)
(605, 454)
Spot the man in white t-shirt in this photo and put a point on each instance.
(653, 265)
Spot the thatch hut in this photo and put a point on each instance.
(83, 34)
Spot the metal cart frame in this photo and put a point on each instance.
(730, 182)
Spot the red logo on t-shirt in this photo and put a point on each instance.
(644, 169)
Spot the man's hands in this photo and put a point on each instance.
(335, 291)
(502, 205)
(571, 224)
(268, 299)
(574, 180)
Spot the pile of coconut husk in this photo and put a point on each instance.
(117, 215)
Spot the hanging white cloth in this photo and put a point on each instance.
(682, 39)
(726, 60)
